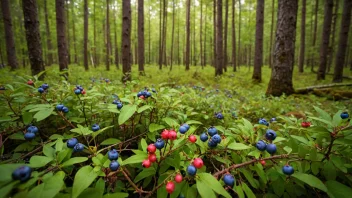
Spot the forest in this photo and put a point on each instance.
(175, 98)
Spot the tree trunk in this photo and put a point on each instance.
(164, 32)
(107, 55)
(214, 34)
(172, 34)
(149, 41)
(1, 58)
(239, 35)
(74, 32)
(342, 45)
(160, 38)
(116, 45)
(31, 24)
(194, 35)
(48, 36)
(141, 37)
(188, 31)
(61, 34)
(324, 47)
(200, 33)
(314, 33)
(219, 40)
(332, 46)
(205, 38)
(95, 37)
(225, 34)
(126, 40)
(233, 37)
(271, 33)
(303, 38)
(9, 38)
(258, 57)
(281, 76)
(85, 53)
(68, 33)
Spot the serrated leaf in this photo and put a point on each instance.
(126, 113)
(310, 180)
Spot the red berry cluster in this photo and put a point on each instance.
(151, 156)
(169, 134)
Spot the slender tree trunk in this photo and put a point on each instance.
(48, 35)
(126, 40)
(135, 39)
(239, 34)
(149, 40)
(1, 58)
(303, 38)
(332, 46)
(178, 40)
(188, 31)
(74, 31)
(343, 38)
(160, 38)
(258, 57)
(116, 45)
(107, 58)
(164, 32)
(281, 75)
(172, 34)
(225, 34)
(31, 24)
(324, 47)
(9, 38)
(205, 38)
(61, 34)
(233, 36)
(271, 33)
(141, 37)
(68, 33)
(85, 53)
(315, 33)
(219, 40)
(200, 33)
(95, 37)
(214, 35)
(194, 36)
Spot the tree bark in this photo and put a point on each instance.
(141, 37)
(116, 45)
(107, 55)
(85, 53)
(332, 46)
(61, 34)
(314, 33)
(271, 34)
(160, 38)
(126, 40)
(74, 32)
(48, 36)
(68, 33)
(239, 35)
(225, 34)
(149, 40)
(200, 33)
(324, 47)
(214, 34)
(31, 24)
(233, 37)
(219, 40)
(205, 38)
(9, 38)
(303, 38)
(281, 76)
(188, 32)
(342, 45)
(95, 37)
(172, 34)
(258, 57)
(164, 33)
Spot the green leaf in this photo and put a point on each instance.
(300, 139)
(194, 122)
(39, 161)
(95, 134)
(17, 136)
(115, 195)
(127, 112)
(338, 190)
(41, 115)
(310, 180)
(239, 191)
(143, 108)
(83, 179)
(238, 146)
(204, 190)
(27, 117)
(144, 145)
(338, 163)
(49, 151)
(248, 191)
(74, 160)
(110, 141)
(82, 130)
(336, 120)
(49, 188)
(324, 115)
(91, 193)
(144, 173)
(213, 183)
(155, 127)
(322, 120)
(135, 159)
(7, 189)
(171, 122)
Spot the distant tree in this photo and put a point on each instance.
(239, 34)
(225, 33)
(108, 43)
(31, 24)
(61, 34)
(48, 36)
(200, 33)
(68, 33)
(271, 33)
(188, 32)
(258, 57)
(74, 31)
(324, 46)
(172, 34)
(314, 34)
(219, 40)
(342, 45)
(85, 53)
(141, 36)
(332, 46)
(303, 38)
(281, 75)
(95, 36)
(116, 45)
(233, 37)
(214, 33)
(9, 38)
(126, 40)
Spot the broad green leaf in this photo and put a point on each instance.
(143, 108)
(204, 190)
(248, 191)
(115, 195)
(41, 115)
(324, 115)
(49, 151)
(126, 113)
(17, 136)
(110, 141)
(155, 127)
(338, 190)
(74, 160)
(213, 183)
(49, 188)
(322, 120)
(7, 189)
(300, 139)
(91, 193)
(27, 117)
(310, 180)
(83, 179)
(39, 161)
(135, 159)
(95, 134)
(144, 173)
(194, 122)
(337, 119)
(144, 144)
(82, 130)
(239, 191)
(238, 146)
(171, 122)
(59, 145)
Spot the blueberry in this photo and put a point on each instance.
(95, 127)
(29, 136)
(263, 122)
(59, 107)
(22, 173)
(273, 120)
(45, 86)
(271, 148)
(288, 170)
(113, 154)
(139, 94)
(261, 145)
(229, 180)
(148, 94)
(71, 142)
(212, 131)
(212, 144)
(119, 105)
(114, 165)
(216, 138)
(203, 137)
(191, 170)
(40, 90)
(183, 129)
(32, 129)
(78, 147)
(186, 125)
(344, 115)
(159, 144)
(270, 134)
(77, 91)
(219, 116)
(65, 109)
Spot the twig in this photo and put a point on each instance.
(66, 120)
(140, 191)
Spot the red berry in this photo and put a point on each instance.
(151, 148)
(165, 134)
(152, 157)
(30, 82)
(172, 135)
(192, 138)
(178, 178)
(141, 97)
(198, 163)
(146, 163)
(305, 124)
(83, 92)
(170, 187)
(263, 162)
